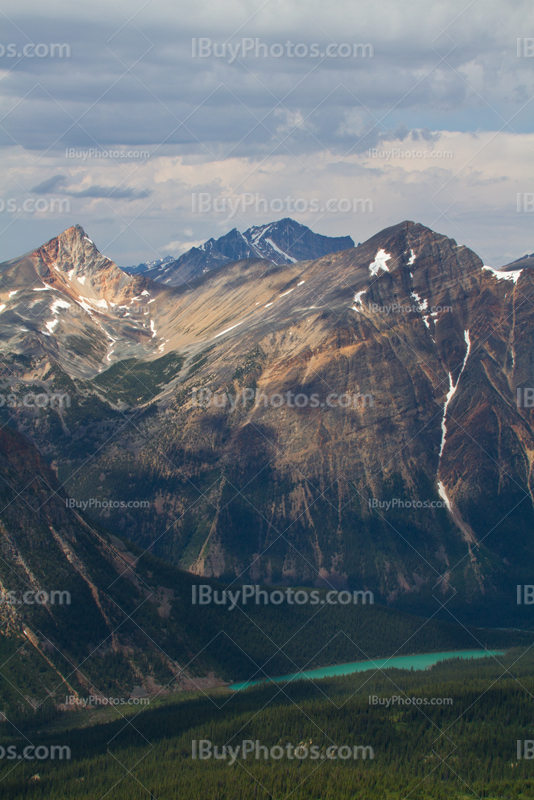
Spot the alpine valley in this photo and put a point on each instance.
(419, 490)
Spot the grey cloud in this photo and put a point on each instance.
(115, 192)
(426, 134)
(214, 106)
(57, 183)
(49, 185)
(401, 132)
(195, 109)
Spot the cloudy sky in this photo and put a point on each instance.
(156, 125)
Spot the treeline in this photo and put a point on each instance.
(249, 642)
(253, 641)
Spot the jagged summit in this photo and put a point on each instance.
(282, 242)
(67, 299)
(289, 241)
(73, 248)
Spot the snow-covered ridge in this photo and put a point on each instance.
(513, 275)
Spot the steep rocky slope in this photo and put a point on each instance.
(81, 614)
(520, 263)
(68, 301)
(78, 615)
(433, 345)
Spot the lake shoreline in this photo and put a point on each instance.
(421, 661)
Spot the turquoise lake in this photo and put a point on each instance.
(422, 661)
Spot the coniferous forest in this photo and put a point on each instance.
(457, 735)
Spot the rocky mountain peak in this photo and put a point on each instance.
(282, 242)
(67, 300)
(73, 252)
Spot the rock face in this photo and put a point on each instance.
(71, 596)
(68, 301)
(404, 465)
(282, 242)
(55, 570)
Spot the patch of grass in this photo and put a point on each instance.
(136, 382)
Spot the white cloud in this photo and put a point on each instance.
(477, 189)
(276, 127)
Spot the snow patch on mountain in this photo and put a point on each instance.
(513, 275)
(358, 299)
(450, 394)
(57, 304)
(229, 329)
(380, 262)
(279, 251)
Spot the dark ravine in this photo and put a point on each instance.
(284, 495)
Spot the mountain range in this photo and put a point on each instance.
(420, 491)
(282, 242)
